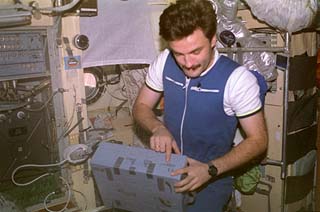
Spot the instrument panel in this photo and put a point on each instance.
(23, 53)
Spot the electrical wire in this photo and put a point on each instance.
(68, 124)
(25, 104)
(124, 91)
(114, 80)
(33, 130)
(84, 197)
(34, 91)
(44, 104)
(73, 154)
(73, 127)
(76, 153)
(59, 9)
(36, 166)
(122, 98)
(52, 193)
(70, 153)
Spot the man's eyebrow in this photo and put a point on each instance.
(174, 52)
(194, 50)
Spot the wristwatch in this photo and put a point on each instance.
(213, 171)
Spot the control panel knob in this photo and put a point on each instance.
(21, 115)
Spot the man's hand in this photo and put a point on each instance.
(196, 175)
(163, 141)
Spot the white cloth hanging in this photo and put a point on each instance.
(120, 34)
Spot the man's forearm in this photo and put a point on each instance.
(146, 117)
(246, 151)
(255, 144)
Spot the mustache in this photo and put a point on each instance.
(192, 67)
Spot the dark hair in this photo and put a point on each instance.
(185, 16)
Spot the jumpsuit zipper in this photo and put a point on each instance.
(184, 113)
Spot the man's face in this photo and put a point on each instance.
(194, 53)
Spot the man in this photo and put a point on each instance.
(205, 96)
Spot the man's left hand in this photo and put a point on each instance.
(196, 175)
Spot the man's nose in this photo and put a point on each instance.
(188, 61)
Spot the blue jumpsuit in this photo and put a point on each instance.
(194, 114)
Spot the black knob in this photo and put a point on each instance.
(227, 38)
(81, 42)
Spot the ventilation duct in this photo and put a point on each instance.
(230, 25)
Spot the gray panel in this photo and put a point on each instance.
(136, 191)
(23, 52)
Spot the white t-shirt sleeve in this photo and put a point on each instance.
(154, 78)
(242, 93)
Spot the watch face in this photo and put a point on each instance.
(212, 170)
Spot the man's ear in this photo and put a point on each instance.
(213, 41)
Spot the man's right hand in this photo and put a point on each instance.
(162, 141)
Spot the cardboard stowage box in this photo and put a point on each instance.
(137, 179)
